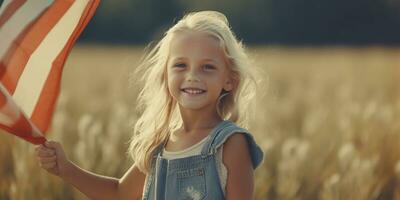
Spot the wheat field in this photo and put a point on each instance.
(328, 120)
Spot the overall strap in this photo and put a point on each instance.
(207, 147)
(156, 161)
(223, 132)
(158, 151)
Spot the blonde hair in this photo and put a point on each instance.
(160, 112)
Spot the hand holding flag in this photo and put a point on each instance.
(52, 158)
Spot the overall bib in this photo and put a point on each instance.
(195, 177)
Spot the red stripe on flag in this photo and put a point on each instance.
(10, 10)
(29, 42)
(17, 57)
(43, 111)
(23, 129)
(3, 100)
(14, 121)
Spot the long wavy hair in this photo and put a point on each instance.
(160, 113)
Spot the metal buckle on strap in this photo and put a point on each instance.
(211, 151)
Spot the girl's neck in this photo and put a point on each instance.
(193, 120)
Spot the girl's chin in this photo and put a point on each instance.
(192, 106)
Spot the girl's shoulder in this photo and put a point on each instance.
(237, 135)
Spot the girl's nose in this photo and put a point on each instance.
(192, 78)
(192, 75)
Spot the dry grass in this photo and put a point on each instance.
(329, 124)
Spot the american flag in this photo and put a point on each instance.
(36, 37)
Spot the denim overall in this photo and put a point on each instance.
(195, 177)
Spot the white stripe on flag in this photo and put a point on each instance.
(18, 21)
(33, 78)
(9, 112)
(35, 131)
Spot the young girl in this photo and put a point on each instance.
(189, 142)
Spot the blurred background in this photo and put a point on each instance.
(283, 22)
(329, 105)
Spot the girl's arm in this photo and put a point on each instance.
(236, 158)
(131, 184)
(92, 185)
(52, 158)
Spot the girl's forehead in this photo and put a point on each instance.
(195, 44)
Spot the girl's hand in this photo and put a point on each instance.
(52, 158)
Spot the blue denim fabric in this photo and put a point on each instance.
(195, 177)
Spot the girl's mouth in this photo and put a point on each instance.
(193, 91)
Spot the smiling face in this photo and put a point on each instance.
(196, 70)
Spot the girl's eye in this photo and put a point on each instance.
(209, 67)
(180, 65)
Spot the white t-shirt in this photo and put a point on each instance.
(196, 150)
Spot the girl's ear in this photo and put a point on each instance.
(228, 85)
